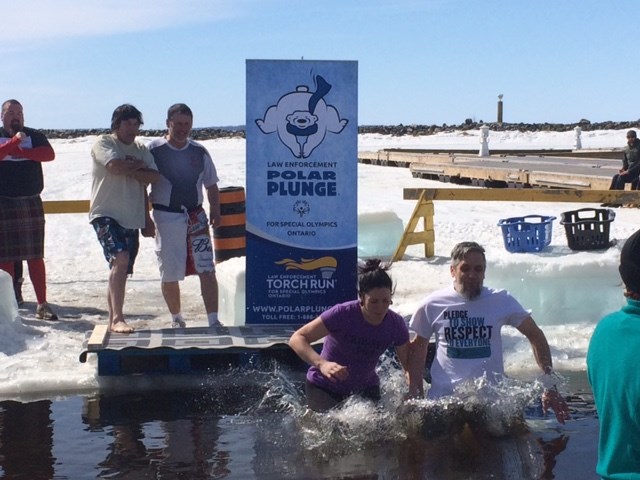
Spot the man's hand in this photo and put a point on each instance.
(125, 166)
(12, 146)
(133, 164)
(214, 217)
(149, 229)
(551, 399)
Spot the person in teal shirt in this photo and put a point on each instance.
(612, 368)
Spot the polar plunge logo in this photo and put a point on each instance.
(326, 265)
(302, 118)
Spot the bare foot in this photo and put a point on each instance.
(121, 327)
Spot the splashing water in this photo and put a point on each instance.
(254, 420)
(494, 409)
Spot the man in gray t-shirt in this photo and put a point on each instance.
(183, 239)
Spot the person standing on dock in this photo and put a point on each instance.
(630, 170)
(612, 369)
(183, 241)
(22, 151)
(466, 320)
(356, 334)
(122, 168)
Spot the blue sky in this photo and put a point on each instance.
(71, 62)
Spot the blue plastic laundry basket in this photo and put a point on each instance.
(530, 233)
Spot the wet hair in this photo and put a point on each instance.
(461, 249)
(179, 108)
(373, 274)
(123, 113)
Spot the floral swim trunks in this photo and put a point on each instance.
(115, 239)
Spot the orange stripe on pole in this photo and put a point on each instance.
(230, 243)
(232, 196)
(230, 220)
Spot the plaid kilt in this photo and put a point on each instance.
(21, 228)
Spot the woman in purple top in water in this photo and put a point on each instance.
(357, 334)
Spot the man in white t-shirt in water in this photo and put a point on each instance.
(183, 237)
(466, 320)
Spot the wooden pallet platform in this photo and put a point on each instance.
(191, 350)
(537, 172)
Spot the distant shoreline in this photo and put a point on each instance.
(208, 133)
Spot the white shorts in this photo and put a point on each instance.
(172, 245)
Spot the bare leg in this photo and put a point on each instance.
(115, 295)
(209, 290)
(171, 294)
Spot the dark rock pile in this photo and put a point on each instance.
(197, 134)
(395, 130)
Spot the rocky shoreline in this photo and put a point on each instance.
(394, 130)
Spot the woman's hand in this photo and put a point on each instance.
(334, 371)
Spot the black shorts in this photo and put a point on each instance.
(321, 400)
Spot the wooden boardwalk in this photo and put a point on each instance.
(585, 170)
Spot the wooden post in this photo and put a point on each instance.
(423, 210)
(65, 206)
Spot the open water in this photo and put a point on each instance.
(251, 424)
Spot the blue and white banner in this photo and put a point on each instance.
(302, 216)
